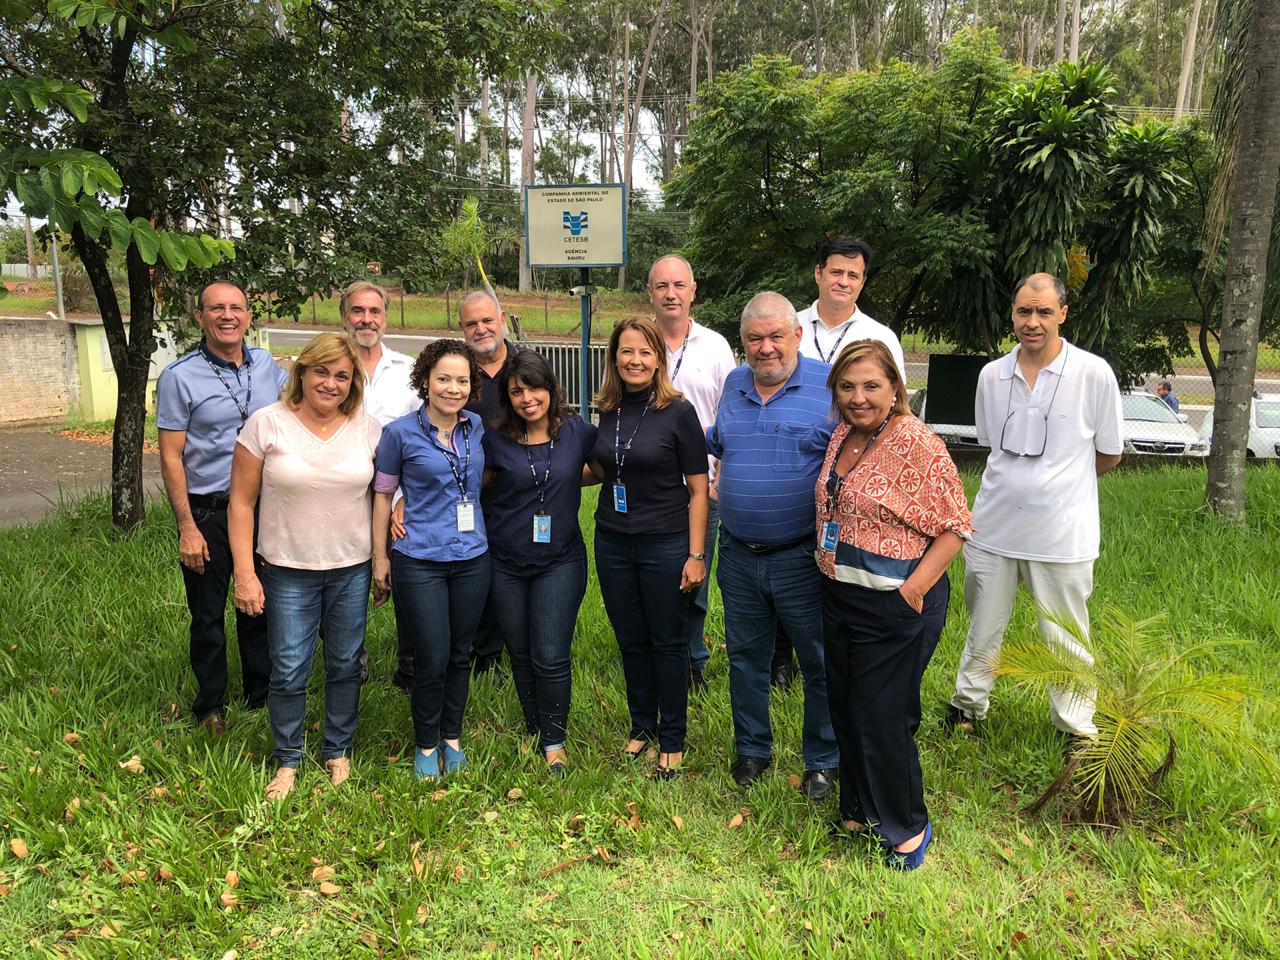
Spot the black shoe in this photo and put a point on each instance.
(782, 676)
(402, 679)
(956, 719)
(364, 667)
(747, 770)
(697, 682)
(818, 784)
(490, 666)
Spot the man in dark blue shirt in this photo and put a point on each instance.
(771, 434)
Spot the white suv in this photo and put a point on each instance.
(1264, 427)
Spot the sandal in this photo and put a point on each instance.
(282, 783)
(557, 763)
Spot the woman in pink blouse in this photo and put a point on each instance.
(892, 515)
(307, 464)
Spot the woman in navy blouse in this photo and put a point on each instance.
(438, 573)
(651, 528)
(534, 456)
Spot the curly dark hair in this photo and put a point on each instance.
(431, 355)
(533, 370)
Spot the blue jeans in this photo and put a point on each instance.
(640, 581)
(301, 603)
(759, 590)
(438, 604)
(536, 610)
(700, 599)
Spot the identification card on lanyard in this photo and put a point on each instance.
(830, 535)
(619, 498)
(466, 516)
(541, 528)
(620, 455)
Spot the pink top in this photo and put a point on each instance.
(315, 511)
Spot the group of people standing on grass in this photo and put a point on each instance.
(451, 485)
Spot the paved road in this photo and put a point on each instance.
(39, 468)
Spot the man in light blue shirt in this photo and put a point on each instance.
(202, 401)
(770, 435)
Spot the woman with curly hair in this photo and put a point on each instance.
(438, 573)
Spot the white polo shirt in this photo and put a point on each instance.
(698, 369)
(1045, 507)
(387, 394)
(824, 344)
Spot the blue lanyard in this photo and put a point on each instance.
(450, 456)
(683, 347)
(248, 397)
(620, 455)
(843, 333)
(541, 487)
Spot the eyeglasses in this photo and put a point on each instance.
(1030, 435)
(218, 308)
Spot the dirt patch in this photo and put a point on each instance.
(103, 439)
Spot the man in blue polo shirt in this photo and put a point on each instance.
(771, 434)
(202, 401)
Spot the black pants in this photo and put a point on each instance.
(207, 602)
(877, 649)
(782, 648)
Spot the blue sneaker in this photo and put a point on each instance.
(454, 760)
(909, 861)
(426, 767)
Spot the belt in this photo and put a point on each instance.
(211, 501)
(759, 549)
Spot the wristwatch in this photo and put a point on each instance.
(697, 556)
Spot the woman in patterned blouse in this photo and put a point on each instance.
(892, 515)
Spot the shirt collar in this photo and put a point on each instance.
(1009, 363)
(217, 361)
(853, 318)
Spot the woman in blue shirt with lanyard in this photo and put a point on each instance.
(534, 456)
(651, 527)
(438, 573)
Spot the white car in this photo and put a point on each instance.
(1264, 427)
(1150, 428)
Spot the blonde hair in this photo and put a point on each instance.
(870, 350)
(322, 351)
(360, 286)
(664, 392)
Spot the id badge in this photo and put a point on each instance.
(466, 516)
(619, 498)
(541, 528)
(830, 535)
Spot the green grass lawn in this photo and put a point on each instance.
(502, 861)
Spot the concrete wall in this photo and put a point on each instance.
(41, 375)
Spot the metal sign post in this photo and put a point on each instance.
(580, 225)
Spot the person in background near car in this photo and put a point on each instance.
(770, 435)
(310, 458)
(699, 361)
(651, 457)
(202, 402)
(1051, 414)
(438, 573)
(387, 396)
(534, 467)
(1164, 390)
(484, 326)
(892, 515)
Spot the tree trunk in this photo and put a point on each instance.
(877, 30)
(482, 132)
(1060, 31)
(1188, 60)
(854, 65)
(526, 162)
(1207, 50)
(1256, 175)
(695, 41)
(33, 271)
(505, 162)
(1075, 31)
(817, 35)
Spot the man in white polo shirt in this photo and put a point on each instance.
(698, 360)
(1050, 412)
(387, 397)
(834, 320)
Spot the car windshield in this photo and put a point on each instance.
(1268, 413)
(1141, 406)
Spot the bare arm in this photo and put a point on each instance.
(246, 481)
(381, 559)
(1105, 462)
(695, 571)
(592, 473)
(930, 569)
(192, 550)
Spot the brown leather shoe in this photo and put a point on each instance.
(214, 722)
(339, 770)
(282, 783)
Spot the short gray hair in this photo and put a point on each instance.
(768, 305)
(476, 296)
(669, 256)
(1038, 280)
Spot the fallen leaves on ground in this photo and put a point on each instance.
(233, 879)
(132, 765)
(599, 853)
(71, 738)
(323, 873)
(18, 847)
(677, 821)
(330, 889)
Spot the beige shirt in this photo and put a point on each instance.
(315, 510)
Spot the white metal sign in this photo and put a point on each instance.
(575, 225)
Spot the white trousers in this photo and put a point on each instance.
(990, 588)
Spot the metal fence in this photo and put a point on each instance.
(22, 271)
(564, 357)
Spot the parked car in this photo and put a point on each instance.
(1150, 428)
(1264, 427)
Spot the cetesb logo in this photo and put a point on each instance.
(575, 224)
